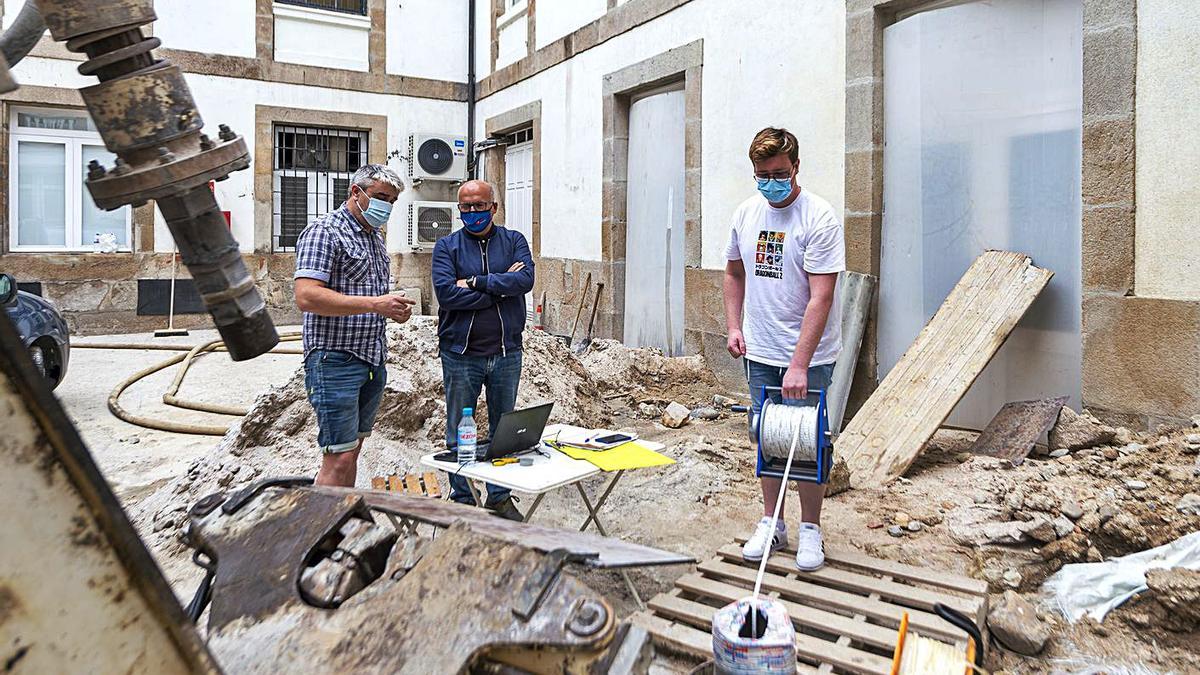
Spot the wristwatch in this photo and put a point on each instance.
(471, 283)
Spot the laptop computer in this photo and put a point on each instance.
(518, 430)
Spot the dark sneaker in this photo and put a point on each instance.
(505, 509)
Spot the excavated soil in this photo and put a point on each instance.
(1090, 504)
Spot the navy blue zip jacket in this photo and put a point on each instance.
(460, 256)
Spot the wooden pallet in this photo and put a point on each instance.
(846, 614)
(418, 485)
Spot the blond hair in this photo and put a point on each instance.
(771, 142)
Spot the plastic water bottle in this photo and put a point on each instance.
(467, 436)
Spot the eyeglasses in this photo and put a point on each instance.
(475, 207)
(778, 175)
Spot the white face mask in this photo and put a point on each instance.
(377, 212)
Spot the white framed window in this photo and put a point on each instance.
(311, 176)
(50, 208)
(512, 9)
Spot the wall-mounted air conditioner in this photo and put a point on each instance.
(430, 221)
(437, 157)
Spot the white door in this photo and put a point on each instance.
(982, 123)
(655, 233)
(518, 197)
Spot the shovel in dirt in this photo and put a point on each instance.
(587, 337)
(587, 286)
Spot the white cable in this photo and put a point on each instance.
(762, 565)
(777, 424)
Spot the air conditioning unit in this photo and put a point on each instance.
(437, 157)
(430, 221)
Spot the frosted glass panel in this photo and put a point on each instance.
(655, 233)
(41, 194)
(982, 118)
(96, 221)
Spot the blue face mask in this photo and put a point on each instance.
(377, 212)
(476, 221)
(774, 189)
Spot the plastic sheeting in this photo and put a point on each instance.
(983, 109)
(655, 230)
(1095, 589)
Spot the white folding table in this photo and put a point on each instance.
(550, 471)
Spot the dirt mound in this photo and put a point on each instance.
(278, 437)
(617, 368)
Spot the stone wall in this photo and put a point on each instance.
(97, 292)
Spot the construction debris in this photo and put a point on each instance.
(917, 395)
(1014, 430)
(1095, 589)
(1177, 592)
(1074, 431)
(675, 416)
(1015, 623)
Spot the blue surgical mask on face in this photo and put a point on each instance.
(377, 212)
(476, 221)
(774, 189)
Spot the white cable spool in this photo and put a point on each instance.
(924, 656)
(777, 423)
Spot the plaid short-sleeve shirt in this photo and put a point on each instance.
(351, 260)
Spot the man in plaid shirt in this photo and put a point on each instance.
(342, 272)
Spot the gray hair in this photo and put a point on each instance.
(369, 174)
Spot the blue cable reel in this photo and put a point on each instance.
(813, 470)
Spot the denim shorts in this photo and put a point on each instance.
(345, 392)
(759, 375)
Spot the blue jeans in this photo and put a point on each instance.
(464, 377)
(759, 375)
(345, 392)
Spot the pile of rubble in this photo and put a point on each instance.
(278, 437)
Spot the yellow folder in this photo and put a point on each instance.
(632, 455)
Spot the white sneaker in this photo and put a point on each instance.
(757, 545)
(810, 551)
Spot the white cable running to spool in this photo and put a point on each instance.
(762, 565)
(777, 424)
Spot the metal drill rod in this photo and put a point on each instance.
(145, 112)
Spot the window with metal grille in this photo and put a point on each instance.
(312, 172)
(344, 6)
(520, 136)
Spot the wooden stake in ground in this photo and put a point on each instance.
(920, 392)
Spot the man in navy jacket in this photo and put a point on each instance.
(481, 274)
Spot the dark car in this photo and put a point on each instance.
(41, 327)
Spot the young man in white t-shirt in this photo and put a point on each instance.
(785, 251)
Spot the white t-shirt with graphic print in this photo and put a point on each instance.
(778, 247)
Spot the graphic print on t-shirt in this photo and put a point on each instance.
(768, 258)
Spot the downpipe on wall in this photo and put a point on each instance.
(146, 115)
(471, 168)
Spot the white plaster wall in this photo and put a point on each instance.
(1167, 248)
(797, 81)
(556, 18)
(483, 37)
(232, 101)
(512, 42)
(320, 38)
(428, 38)
(214, 26)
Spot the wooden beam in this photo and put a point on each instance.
(920, 392)
(856, 291)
